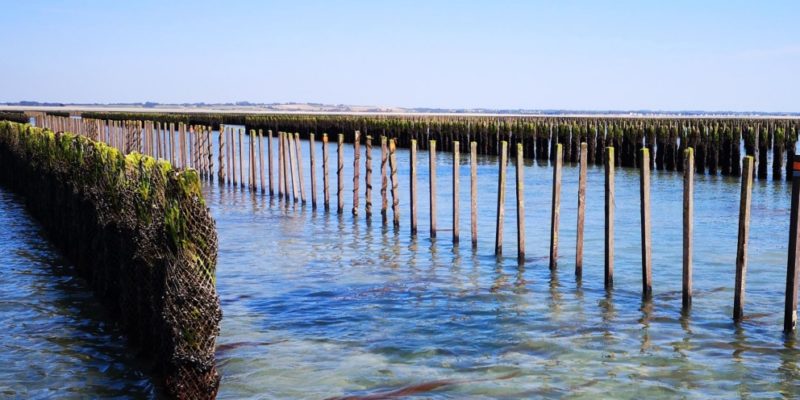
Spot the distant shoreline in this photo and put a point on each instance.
(224, 109)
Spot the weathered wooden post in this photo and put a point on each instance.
(432, 183)
(241, 157)
(287, 170)
(384, 182)
(368, 179)
(501, 199)
(221, 173)
(299, 162)
(172, 143)
(281, 170)
(269, 162)
(252, 160)
(395, 183)
(609, 219)
(790, 310)
(688, 228)
(473, 192)
(356, 169)
(744, 233)
(312, 169)
(581, 210)
(413, 188)
(456, 189)
(340, 175)
(293, 167)
(326, 194)
(520, 205)
(644, 197)
(555, 212)
(261, 161)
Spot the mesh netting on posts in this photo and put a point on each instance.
(140, 232)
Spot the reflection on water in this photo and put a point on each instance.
(321, 305)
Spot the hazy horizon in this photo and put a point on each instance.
(587, 56)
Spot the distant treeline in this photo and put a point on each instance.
(718, 142)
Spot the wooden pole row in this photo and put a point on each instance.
(190, 147)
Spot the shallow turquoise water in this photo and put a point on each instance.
(318, 304)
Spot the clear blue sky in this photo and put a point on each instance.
(590, 55)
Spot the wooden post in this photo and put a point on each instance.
(340, 175)
(326, 194)
(261, 160)
(644, 197)
(790, 310)
(413, 187)
(688, 217)
(280, 165)
(609, 219)
(581, 210)
(555, 212)
(288, 179)
(432, 184)
(222, 151)
(395, 183)
(356, 165)
(171, 144)
(456, 189)
(368, 179)
(231, 158)
(292, 148)
(252, 158)
(521, 205)
(241, 163)
(501, 199)
(299, 162)
(312, 169)
(384, 199)
(744, 232)
(269, 162)
(473, 192)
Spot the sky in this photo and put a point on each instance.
(575, 55)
